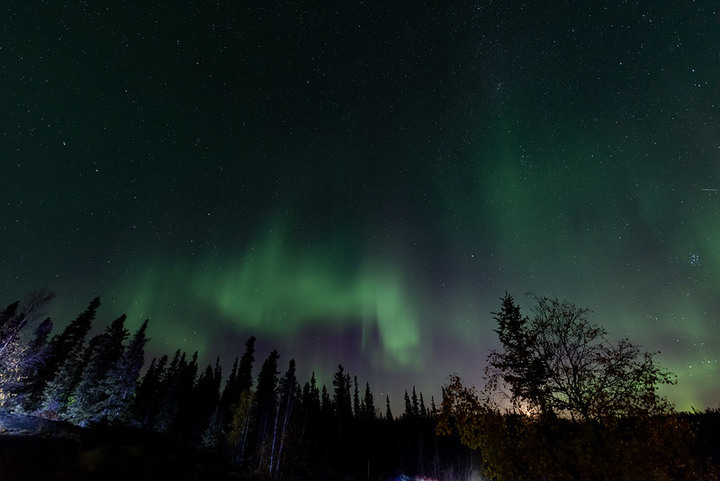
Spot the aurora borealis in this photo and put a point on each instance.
(360, 182)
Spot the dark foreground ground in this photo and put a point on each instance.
(40, 450)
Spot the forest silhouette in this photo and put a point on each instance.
(559, 416)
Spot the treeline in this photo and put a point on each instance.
(576, 405)
(270, 423)
(562, 401)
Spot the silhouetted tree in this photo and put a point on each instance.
(121, 382)
(10, 355)
(63, 353)
(326, 404)
(183, 392)
(206, 395)
(288, 390)
(17, 360)
(388, 411)
(265, 405)
(239, 429)
(89, 396)
(408, 406)
(147, 402)
(73, 336)
(239, 380)
(34, 359)
(415, 404)
(168, 393)
(558, 362)
(369, 403)
(356, 398)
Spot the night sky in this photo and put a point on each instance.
(359, 182)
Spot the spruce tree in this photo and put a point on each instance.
(120, 384)
(212, 433)
(89, 396)
(206, 394)
(62, 352)
(168, 393)
(240, 380)
(311, 395)
(146, 405)
(326, 404)
(265, 405)
(288, 390)
(73, 336)
(57, 395)
(228, 396)
(35, 358)
(408, 406)
(184, 390)
(17, 361)
(11, 355)
(415, 404)
(356, 398)
(369, 403)
(341, 394)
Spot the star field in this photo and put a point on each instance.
(361, 183)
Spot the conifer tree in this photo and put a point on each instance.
(408, 406)
(89, 396)
(310, 404)
(341, 394)
(206, 395)
(239, 429)
(369, 403)
(17, 361)
(356, 399)
(58, 392)
(11, 354)
(388, 411)
(311, 395)
(240, 379)
(35, 357)
(168, 393)
(415, 404)
(146, 404)
(265, 404)
(326, 404)
(62, 354)
(73, 336)
(288, 389)
(228, 395)
(183, 392)
(244, 377)
(120, 384)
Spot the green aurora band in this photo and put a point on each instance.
(277, 290)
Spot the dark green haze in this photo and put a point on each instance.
(360, 182)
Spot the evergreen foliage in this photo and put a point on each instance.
(51, 388)
(18, 361)
(341, 394)
(368, 403)
(147, 403)
(277, 429)
(91, 395)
